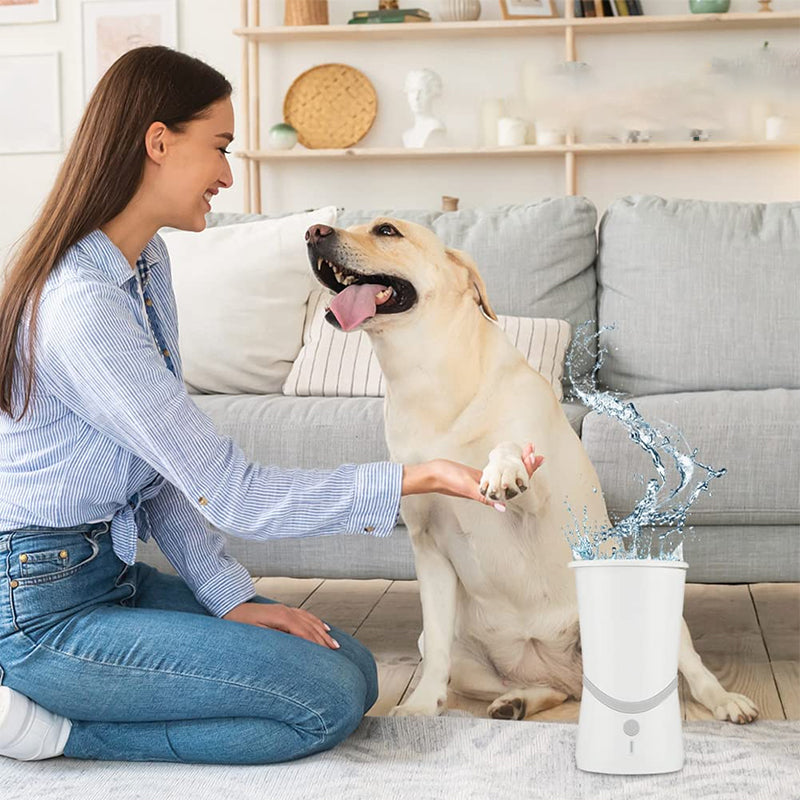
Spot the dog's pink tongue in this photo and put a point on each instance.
(355, 304)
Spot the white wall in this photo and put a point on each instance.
(471, 69)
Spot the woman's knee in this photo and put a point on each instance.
(363, 659)
(347, 695)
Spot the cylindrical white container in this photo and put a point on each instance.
(491, 111)
(546, 135)
(630, 621)
(510, 131)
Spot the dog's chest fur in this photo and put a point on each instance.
(522, 620)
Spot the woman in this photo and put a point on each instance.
(100, 656)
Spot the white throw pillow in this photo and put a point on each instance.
(337, 364)
(241, 292)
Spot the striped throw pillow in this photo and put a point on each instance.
(332, 363)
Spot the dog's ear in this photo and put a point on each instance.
(479, 287)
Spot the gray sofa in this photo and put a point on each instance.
(706, 302)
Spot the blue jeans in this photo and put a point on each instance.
(145, 673)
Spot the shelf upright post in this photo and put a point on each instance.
(569, 157)
(245, 104)
(255, 109)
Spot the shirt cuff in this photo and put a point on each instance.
(377, 498)
(226, 590)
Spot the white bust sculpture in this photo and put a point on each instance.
(421, 87)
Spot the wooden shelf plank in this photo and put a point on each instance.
(543, 27)
(600, 148)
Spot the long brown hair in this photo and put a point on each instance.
(100, 174)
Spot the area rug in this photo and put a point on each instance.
(443, 758)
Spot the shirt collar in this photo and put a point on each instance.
(108, 258)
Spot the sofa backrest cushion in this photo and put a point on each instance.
(704, 295)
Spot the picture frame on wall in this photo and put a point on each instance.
(528, 9)
(16, 12)
(30, 86)
(112, 27)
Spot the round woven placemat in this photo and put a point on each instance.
(331, 105)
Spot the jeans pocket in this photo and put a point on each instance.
(45, 562)
(41, 562)
(44, 590)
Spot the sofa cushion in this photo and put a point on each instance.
(716, 554)
(754, 435)
(311, 432)
(241, 295)
(703, 294)
(537, 258)
(333, 363)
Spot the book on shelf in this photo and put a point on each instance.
(388, 12)
(386, 20)
(607, 8)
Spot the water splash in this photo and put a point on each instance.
(654, 529)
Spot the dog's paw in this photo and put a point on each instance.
(508, 706)
(504, 478)
(735, 707)
(416, 709)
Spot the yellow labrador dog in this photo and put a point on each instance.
(499, 608)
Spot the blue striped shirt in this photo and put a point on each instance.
(111, 433)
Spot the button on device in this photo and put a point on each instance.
(631, 727)
(202, 501)
(369, 528)
(24, 558)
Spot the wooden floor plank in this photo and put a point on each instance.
(778, 609)
(725, 632)
(391, 633)
(345, 604)
(289, 591)
(730, 626)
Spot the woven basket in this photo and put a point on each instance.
(330, 106)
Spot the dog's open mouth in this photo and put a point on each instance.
(360, 296)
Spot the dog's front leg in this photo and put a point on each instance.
(437, 589)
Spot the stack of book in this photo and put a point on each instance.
(390, 15)
(608, 8)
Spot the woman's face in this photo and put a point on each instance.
(195, 167)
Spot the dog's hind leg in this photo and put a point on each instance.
(472, 677)
(521, 703)
(706, 689)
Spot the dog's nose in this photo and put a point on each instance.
(317, 232)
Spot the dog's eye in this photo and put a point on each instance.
(386, 230)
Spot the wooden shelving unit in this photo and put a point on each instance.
(253, 36)
(543, 27)
(611, 148)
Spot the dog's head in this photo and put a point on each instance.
(389, 268)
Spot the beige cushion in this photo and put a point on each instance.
(337, 364)
(241, 293)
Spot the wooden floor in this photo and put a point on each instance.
(748, 635)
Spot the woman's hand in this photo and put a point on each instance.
(455, 479)
(283, 618)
